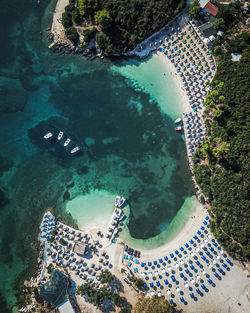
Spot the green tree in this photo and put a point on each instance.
(66, 20)
(139, 283)
(194, 9)
(76, 17)
(87, 7)
(102, 18)
(219, 23)
(106, 277)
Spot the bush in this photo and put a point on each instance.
(194, 9)
(76, 17)
(89, 34)
(66, 20)
(72, 34)
(139, 283)
(106, 277)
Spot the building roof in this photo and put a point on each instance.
(66, 307)
(55, 291)
(209, 7)
(79, 248)
(203, 3)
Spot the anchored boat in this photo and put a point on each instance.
(66, 142)
(178, 120)
(119, 201)
(59, 137)
(178, 128)
(75, 149)
(48, 135)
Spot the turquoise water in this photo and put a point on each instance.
(124, 126)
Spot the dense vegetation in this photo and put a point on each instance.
(154, 304)
(222, 162)
(194, 9)
(122, 24)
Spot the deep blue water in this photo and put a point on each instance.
(40, 92)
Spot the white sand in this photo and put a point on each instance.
(57, 28)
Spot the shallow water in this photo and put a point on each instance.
(129, 146)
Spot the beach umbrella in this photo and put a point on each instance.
(169, 268)
(210, 266)
(177, 289)
(158, 284)
(149, 263)
(203, 272)
(198, 277)
(203, 258)
(159, 294)
(152, 293)
(165, 258)
(150, 274)
(168, 292)
(186, 285)
(163, 270)
(143, 274)
(187, 271)
(181, 275)
(151, 285)
(176, 265)
(192, 281)
(156, 273)
(160, 260)
(192, 267)
(192, 254)
(187, 258)
(182, 262)
(155, 262)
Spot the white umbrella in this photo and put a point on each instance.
(176, 265)
(186, 285)
(205, 240)
(214, 262)
(203, 272)
(187, 258)
(197, 277)
(218, 257)
(221, 251)
(192, 281)
(192, 254)
(197, 249)
(159, 294)
(152, 293)
(202, 245)
(150, 274)
(210, 266)
(168, 292)
(182, 262)
(177, 289)
(163, 270)
(143, 274)
(169, 268)
(156, 273)
(209, 236)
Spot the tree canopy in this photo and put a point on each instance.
(222, 162)
(194, 9)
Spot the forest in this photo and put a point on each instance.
(221, 164)
(120, 24)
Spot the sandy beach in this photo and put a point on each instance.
(57, 28)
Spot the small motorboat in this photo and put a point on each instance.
(75, 149)
(48, 135)
(178, 128)
(66, 142)
(178, 120)
(60, 135)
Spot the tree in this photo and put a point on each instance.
(219, 23)
(106, 277)
(102, 18)
(76, 17)
(139, 283)
(66, 20)
(72, 34)
(152, 305)
(194, 9)
(86, 7)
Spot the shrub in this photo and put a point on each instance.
(66, 20)
(72, 34)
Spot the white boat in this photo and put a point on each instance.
(66, 142)
(48, 135)
(75, 149)
(178, 120)
(60, 135)
(119, 201)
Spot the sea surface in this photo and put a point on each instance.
(121, 114)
